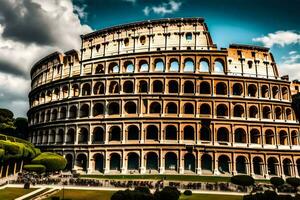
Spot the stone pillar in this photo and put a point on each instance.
(216, 171)
(181, 163)
(142, 160)
(107, 164)
(161, 163)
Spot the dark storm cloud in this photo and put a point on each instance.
(10, 68)
(26, 22)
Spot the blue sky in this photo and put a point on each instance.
(32, 29)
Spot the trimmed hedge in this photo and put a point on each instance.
(35, 168)
(187, 192)
(295, 182)
(52, 161)
(277, 181)
(243, 180)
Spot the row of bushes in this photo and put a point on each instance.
(270, 195)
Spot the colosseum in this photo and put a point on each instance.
(159, 97)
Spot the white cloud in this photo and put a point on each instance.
(291, 65)
(164, 8)
(130, 1)
(280, 38)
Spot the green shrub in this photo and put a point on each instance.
(243, 180)
(35, 168)
(270, 195)
(142, 189)
(167, 193)
(52, 161)
(277, 181)
(187, 192)
(285, 197)
(295, 182)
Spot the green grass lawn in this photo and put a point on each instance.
(12, 193)
(84, 194)
(210, 197)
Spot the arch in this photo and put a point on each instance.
(113, 67)
(174, 65)
(253, 112)
(188, 87)
(62, 113)
(173, 86)
(189, 162)
(206, 163)
(171, 108)
(83, 136)
(288, 113)
(65, 92)
(55, 95)
(257, 165)
(75, 89)
(278, 113)
(54, 115)
(205, 134)
(283, 138)
(152, 132)
(189, 108)
(143, 86)
(130, 107)
(265, 91)
(255, 136)
(219, 66)
(52, 137)
(128, 87)
(171, 132)
(115, 162)
(86, 89)
(157, 86)
(204, 88)
(240, 136)
(81, 162)
(285, 93)
(241, 165)
(85, 110)
(204, 65)
(115, 133)
(151, 161)
(155, 107)
(113, 108)
(237, 89)
(69, 165)
(99, 69)
(221, 88)
(275, 92)
(60, 136)
(129, 67)
(223, 135)
(143, 40)
(98, 135)
(252, 90)
(171, 161)
(70, 136)
(98, 88)
(144, 66)
(272, 166)
(266, 112)
(133, 133)
(133, 161)
(114, 87)
(269, 137)
(159, 65)
(99, 162)
(189, 65)
(238, 111)
(48, 114)
(294, 138)
(188, 36)
(205, 109)
(222, 110)
(188, 133)
(98, 109)
(223, 164)
(287, 167)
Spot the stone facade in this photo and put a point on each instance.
(159, 97)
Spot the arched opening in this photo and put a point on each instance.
(69, 165)
(255, 136)
(283, 138)
(223, 135)
(205, 134)
(115, 162)
(159, 65)
(99, 69)
(275, 92)
(113, 108)
(188, 108)
(86, 89)
(188, 36)
(189, 65)
(115, 133)
(98, 88)
(204, 88)
(189, 162)
(240, 136)
(188, 87)
(204, 65)
(238, 111)
(65, 92)
(266, 112)
(133, 161)
(272, 166)
(143, 40)
(241, 165)
(278, 113)
(219, 66)
(223, 164)
(269, 134)
(85, 110)
(171, 133)
(70, 136)
(83, 136)
(48, 114)
(252, 90)
(133, 133)
(113, 68)
(52, 137)
(81, 162)
(287, 164)
(174, 65)
(171, 108)
(60, 137)
(206, 164)
(222, 110)
(114, 87)
(143, 86)
(54, 115)
(188, 133)
(99, 162)
(257, 165)
(237, 89)
(173, 86)
(98, 109)
(288, 113)
(205, 109)
(265, 91)
(152, 161)
(98, 135)
(144, 67)
(63, 113)
(155, 107)
(253, 112)
(171, 161)
(152, 132)
(128, 87)
(285, 93)
(130, 107)
(157, 86)
(129, 68)
(55, 94)
(221, 89)
(294, 138)
(75, 90)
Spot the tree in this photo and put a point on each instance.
(52, 161)
(35, 168)
(21, 125)
(242, 180)
(167, 193)
(6, 121)
(277, 182)
(295, 182)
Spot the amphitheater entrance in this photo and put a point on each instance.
(272, 166)
(171, 162)
(241, 165)
(206, 164)
(133, 162)
(189, 163)
(81, 163)
(99, 163)
(223, 162)
(69, 165)
(115, 163)
(152, 162)
(257, 166)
